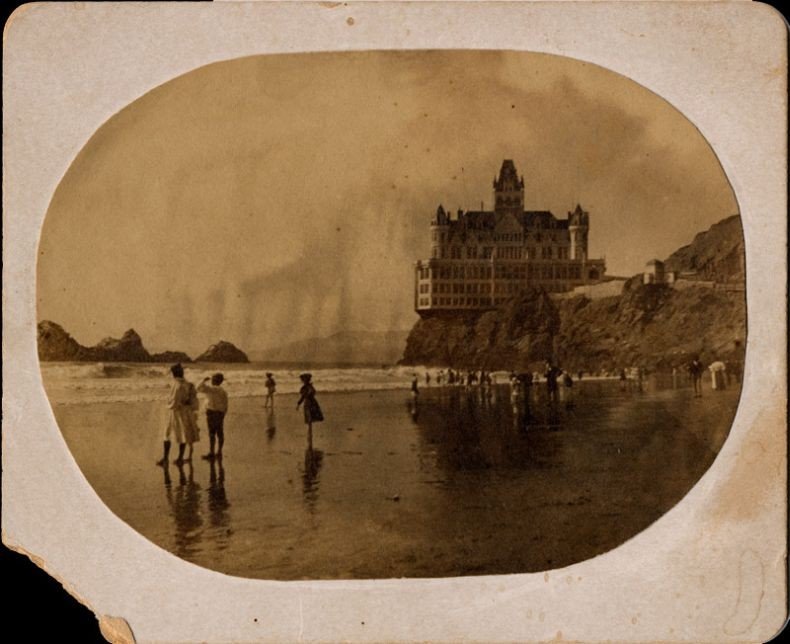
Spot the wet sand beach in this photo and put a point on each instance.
(462, 484)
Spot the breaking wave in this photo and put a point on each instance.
(90, 383)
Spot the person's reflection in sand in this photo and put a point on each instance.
(521, 415)
(185, 507)
(553, 417)
(414, 409)
(271, 424)
(313, 459)
(168, 480)
(218, 504)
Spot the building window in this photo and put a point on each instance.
(471, 252)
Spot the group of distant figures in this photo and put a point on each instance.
(520, 383)
(561, 380)
(721, 374)
(450, 377)
(183, 405)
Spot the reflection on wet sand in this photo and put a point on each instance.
(313, 459)
(184, 501)
(464, 480)
(184, 504)
(271, 424)
(469, 431)
(218, 504)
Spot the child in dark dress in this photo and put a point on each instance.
(312, 411)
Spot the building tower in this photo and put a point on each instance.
(578, 227)
(508, 190)
(438, 226)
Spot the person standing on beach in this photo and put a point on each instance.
(216, 408)
(192, 430)
(552, 373)
(415, 389)
(515, 388)
(271, 387)
(567, 382)
(312, 411)
(526, 384)
(178, 419)
(695, 370)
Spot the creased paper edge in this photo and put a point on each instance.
(115, 630)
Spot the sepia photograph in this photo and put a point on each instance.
(398, 321)
(292, 284)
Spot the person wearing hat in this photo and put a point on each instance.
(312, 411)
(216, 408)
(271, 387)
(179, 416)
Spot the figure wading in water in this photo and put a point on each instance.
(312, 411)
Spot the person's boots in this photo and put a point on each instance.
(163, 462)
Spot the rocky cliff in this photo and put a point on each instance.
(656, 326)
(55, 343)
(715, 254)
(222, 352)
(653, 325)
(508, 338)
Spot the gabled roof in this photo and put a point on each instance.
(488, 220)
(542, 218)
(480, 219)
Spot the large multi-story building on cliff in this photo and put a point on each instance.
(481, 259)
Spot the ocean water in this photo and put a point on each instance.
(458, 482)
(79, 383)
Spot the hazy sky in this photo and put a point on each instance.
(273, 198)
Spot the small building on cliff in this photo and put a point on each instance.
(481, 259)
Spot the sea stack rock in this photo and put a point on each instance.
(129, 348)
(171, 357)
(222, 352)
(54, 343)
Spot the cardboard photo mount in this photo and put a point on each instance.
(712, 569)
